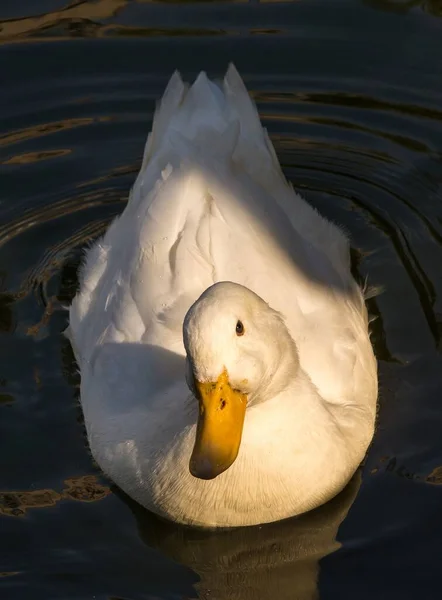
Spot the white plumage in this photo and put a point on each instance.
(211, 205)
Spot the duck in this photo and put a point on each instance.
(227, 373)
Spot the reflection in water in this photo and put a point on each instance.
(107, 18)
(31, 157)
(77, 15)
(94, 19)
(91, 19)
(82, 489)
(40, 130)
(279, 561)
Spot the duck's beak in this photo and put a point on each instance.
(219, 429)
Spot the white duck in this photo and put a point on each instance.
(227, 373)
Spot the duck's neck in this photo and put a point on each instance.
(281, 373)
(310, 445)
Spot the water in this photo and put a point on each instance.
(351, 93)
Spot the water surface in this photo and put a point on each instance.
(351, 93)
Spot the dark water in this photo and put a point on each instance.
(351, 93)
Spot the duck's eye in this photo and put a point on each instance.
(239, 328)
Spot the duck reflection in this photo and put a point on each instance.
(277, 561)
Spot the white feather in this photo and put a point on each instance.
(211, 204)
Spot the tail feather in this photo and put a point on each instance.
(205, 115)
(168, 105)
(220, 120)
(241, 103)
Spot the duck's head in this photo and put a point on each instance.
(237, 349)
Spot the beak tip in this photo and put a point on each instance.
(203, 469)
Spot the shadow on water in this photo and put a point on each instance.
(278, 560)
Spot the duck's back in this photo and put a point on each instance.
(211, 204)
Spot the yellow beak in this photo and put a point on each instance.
(219, 428)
